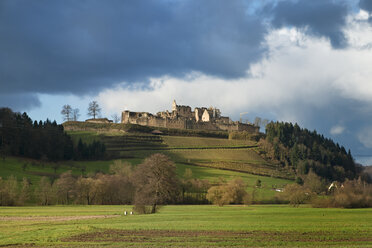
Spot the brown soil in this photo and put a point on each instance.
(54, 218)
(149, 236)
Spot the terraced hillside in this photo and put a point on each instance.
(235, 155)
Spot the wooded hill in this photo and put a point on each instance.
(302, 150)
(21, 137)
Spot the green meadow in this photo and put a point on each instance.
(185, 226)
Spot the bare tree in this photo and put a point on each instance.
(115, 118)
(25, 193)
(8, 191)
(44, 192)
(66, 112)
(86, 190)
(75, 114)
(94, 109)
(156, 182)
(65, 186)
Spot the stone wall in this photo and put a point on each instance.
(182, 117)
(190, 124)
(184, 111)
(176, 123)
(157, 122)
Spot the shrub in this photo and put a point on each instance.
(314, 183)
(215, 195)
(232, 192)
(295, 194)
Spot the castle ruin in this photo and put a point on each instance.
(182, 117)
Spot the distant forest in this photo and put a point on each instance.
(302, 150)
(19, 136)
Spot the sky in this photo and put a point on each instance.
(284, 60)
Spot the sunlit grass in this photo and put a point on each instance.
(336, 227)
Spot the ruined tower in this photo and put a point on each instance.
(174, 105)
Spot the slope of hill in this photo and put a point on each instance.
(222, 153)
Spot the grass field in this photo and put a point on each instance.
(185, 226)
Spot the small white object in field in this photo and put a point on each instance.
(131, 212)
(125, 212)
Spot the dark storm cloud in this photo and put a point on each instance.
(366, 5)
(83, 46)
(19, 102)
(325, 18)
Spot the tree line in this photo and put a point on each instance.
(355, 193)
(302, 150)
(146, 186)
(19, 136)
(154, 183)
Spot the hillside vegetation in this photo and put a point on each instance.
(222, 153)
(19, 136)
(302, 150)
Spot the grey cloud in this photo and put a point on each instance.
(19, 102)
(366, 5)
(325, 18)
(84, 46)
(351, 114)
